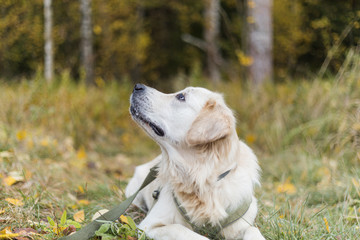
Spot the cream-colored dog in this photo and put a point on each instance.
(204, 170)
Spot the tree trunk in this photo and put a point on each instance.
(211, 33)
(48, 48)
(260, 40)
(86, 42)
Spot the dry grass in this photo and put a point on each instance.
(70, 144)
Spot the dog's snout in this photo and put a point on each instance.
(139, 88)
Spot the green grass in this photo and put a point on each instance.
(306, 135)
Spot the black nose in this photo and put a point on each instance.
(139, 87)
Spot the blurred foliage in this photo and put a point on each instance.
(143, 39)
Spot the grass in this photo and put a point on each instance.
(72, 148)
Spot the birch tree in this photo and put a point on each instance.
(87, 57)
(211, 34)
(48, 48)
(260, 40)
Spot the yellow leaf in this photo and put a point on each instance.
(81, 154)
(14, 201)
(100, 82)
(250, 19)
(21, 135)
(1, 211)
(244, 59)
(58, 230)
(79, 216)
(97, 29)
(251, 4)
(250, 138)
(326, 225)
(9, 235)
(9, 180)
(286, 188)
(6, 230)
(44, 142)
(83, 202)
(81, 189)
(124, 219)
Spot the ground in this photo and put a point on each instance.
(68, 148)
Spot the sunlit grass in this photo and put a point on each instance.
(75, 147)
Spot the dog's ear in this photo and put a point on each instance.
(213, 123)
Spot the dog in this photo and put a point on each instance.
(205, 173)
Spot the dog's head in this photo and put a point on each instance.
(191, 117)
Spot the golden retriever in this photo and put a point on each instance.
(204, 169)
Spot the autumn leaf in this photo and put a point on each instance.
(250, 138)
(124, 219)
(326, 224)
(286, 187)
(79, 216)
(9, 181)
(13, 178)
(14, 201)
(6, 233)
(83, 202)
(21, 135)
(81, 189)
(81, 153)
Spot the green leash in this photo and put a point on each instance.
(89, 230)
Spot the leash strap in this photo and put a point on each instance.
(89, 230)
(233, 216)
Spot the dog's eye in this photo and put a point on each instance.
(181, 97)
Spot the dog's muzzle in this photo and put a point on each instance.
(138, 99)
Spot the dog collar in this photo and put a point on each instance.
(209, 229)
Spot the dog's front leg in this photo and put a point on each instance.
(253, 233)
(174, 232)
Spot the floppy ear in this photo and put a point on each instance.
(213, 123)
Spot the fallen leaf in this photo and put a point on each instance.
(81, 154)
(6, 233)
(9, 181)
(286, 188)
(250, 138)
(79, 216)
(21, 135)
(44, 142)
(124, 219)
(2, 211)
(81, 189)
(14, 201)
(83, 202)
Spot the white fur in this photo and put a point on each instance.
(190, 168)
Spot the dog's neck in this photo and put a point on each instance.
(194, 182)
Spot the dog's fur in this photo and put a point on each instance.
(197, 136)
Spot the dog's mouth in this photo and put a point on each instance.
(138, 116)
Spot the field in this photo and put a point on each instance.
(65, 147)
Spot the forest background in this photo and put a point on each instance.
(68, 145)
